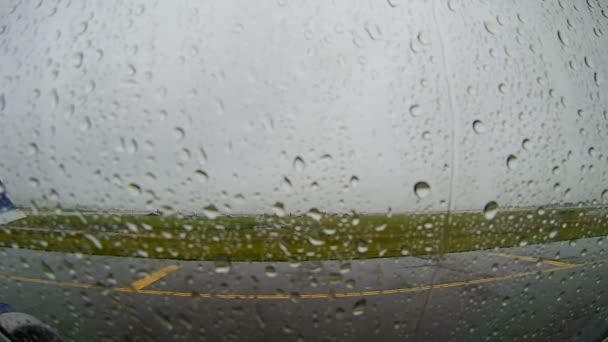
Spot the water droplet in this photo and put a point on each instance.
(315, 242)
(211, 212)
(32, 149)
(139, 10)
(314, 214)
(339, 313)
(512, 162)
(502, 88)
(82, 27)
(553, 234)
(201, 175)
(392, 3)
(286, 185)
(362, 247)
(86, 124)
(2, 102)
(163, 319)
(134, 189)
(580, 113)
(203, 156)
(327, 158)
(131, 70)
(478, 127)
(131, 146)
(490, 210)
(345, 267)
(453, 5)
(405, 251)
(54, 98)
(99, 54)
(354, 181)
(69, 112)
(329, 231)
(184, 154)
(471, 91)
(77, 59)
(34, 182)
(48, 271)
(132, 227)
(93, 240)
(526, 144)
(298, 164)
(270, 271)
(422, 189)
(380, 228)
(279, 209)
(557, 187)
(373, 31)
(562, 38)
(605, 196)
(423, 38)
(359, 308)
(490, 27)
(598, 79)
(555, 171)
(179, 133)
(415, 110)
(222, 265)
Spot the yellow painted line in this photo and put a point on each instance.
(277, 296)
(166, 293)
(348, 294)
(162, 293)
(420, 288)
(532, 259)
(314, 296)
(558, 263)
(390, 291)
(252, 296)
(48, 282)
(154, 277)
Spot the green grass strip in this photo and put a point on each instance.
(297, 238)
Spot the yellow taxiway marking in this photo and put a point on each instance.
(420, 288)
(48, 282)
(154, 277)
(532, 259)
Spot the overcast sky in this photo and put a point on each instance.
(330, 105)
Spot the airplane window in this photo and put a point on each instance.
(298, 170)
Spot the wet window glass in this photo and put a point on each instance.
(289, 170)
